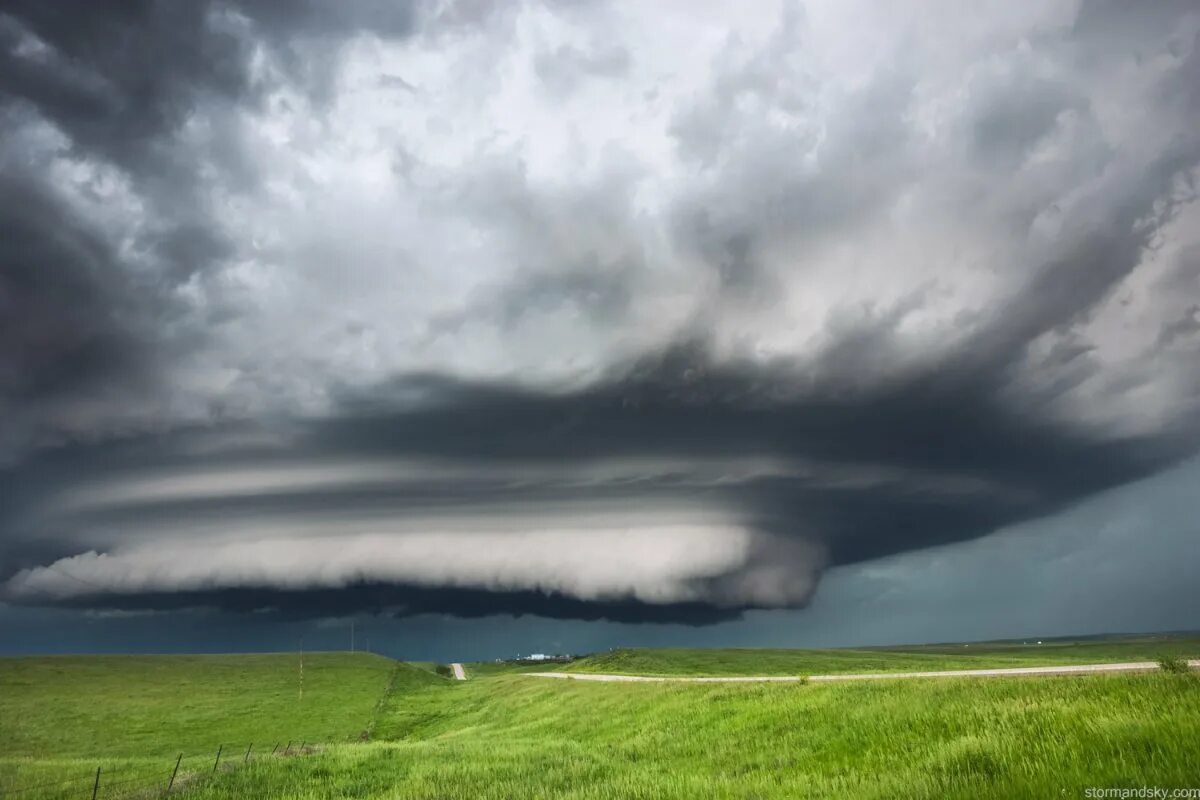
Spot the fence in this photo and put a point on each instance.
(143, 780)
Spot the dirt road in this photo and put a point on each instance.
(460, 674)
(1073, 669)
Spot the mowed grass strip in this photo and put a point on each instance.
(708, 662)
(512, 736)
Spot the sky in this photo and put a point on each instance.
(560, 325)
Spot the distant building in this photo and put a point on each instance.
(537, 657)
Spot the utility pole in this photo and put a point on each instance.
(301, 667)
(351, 636)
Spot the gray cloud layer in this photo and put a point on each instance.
(582, 310)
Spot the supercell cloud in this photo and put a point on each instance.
(649, 312)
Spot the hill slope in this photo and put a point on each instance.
(121, 705)
(515, 736)
(61, 717)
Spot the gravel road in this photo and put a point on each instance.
(1073, 669)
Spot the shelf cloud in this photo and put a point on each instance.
(589, 310)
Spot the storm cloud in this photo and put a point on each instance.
(623, 311)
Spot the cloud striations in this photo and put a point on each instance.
(623, 310)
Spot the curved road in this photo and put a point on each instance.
(1073, 669)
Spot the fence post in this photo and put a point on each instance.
(96, 785)
(171, 782)
(301, 750)
(288, 749)
(218, 761)
(273, 749)
(248, 748)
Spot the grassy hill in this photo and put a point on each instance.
(396, 731)
(160, 704)
(515, 736)
(64, 715)
(683, 661)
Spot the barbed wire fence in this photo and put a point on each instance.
(126, 782)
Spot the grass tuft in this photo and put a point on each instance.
(1173, 664)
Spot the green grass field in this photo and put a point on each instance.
(61, 716)
(506, 735)
(699, 662)
(513, 736)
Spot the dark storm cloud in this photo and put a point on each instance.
(866, 475)
(69, 332)
(37, 301)
(395, 600)
(906, 451)
(117, 75)
(83, 328)
(795, 321)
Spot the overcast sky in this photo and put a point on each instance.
(566, 324)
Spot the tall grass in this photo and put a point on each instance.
(513, 736)
(389, 730)
(1173, 664)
